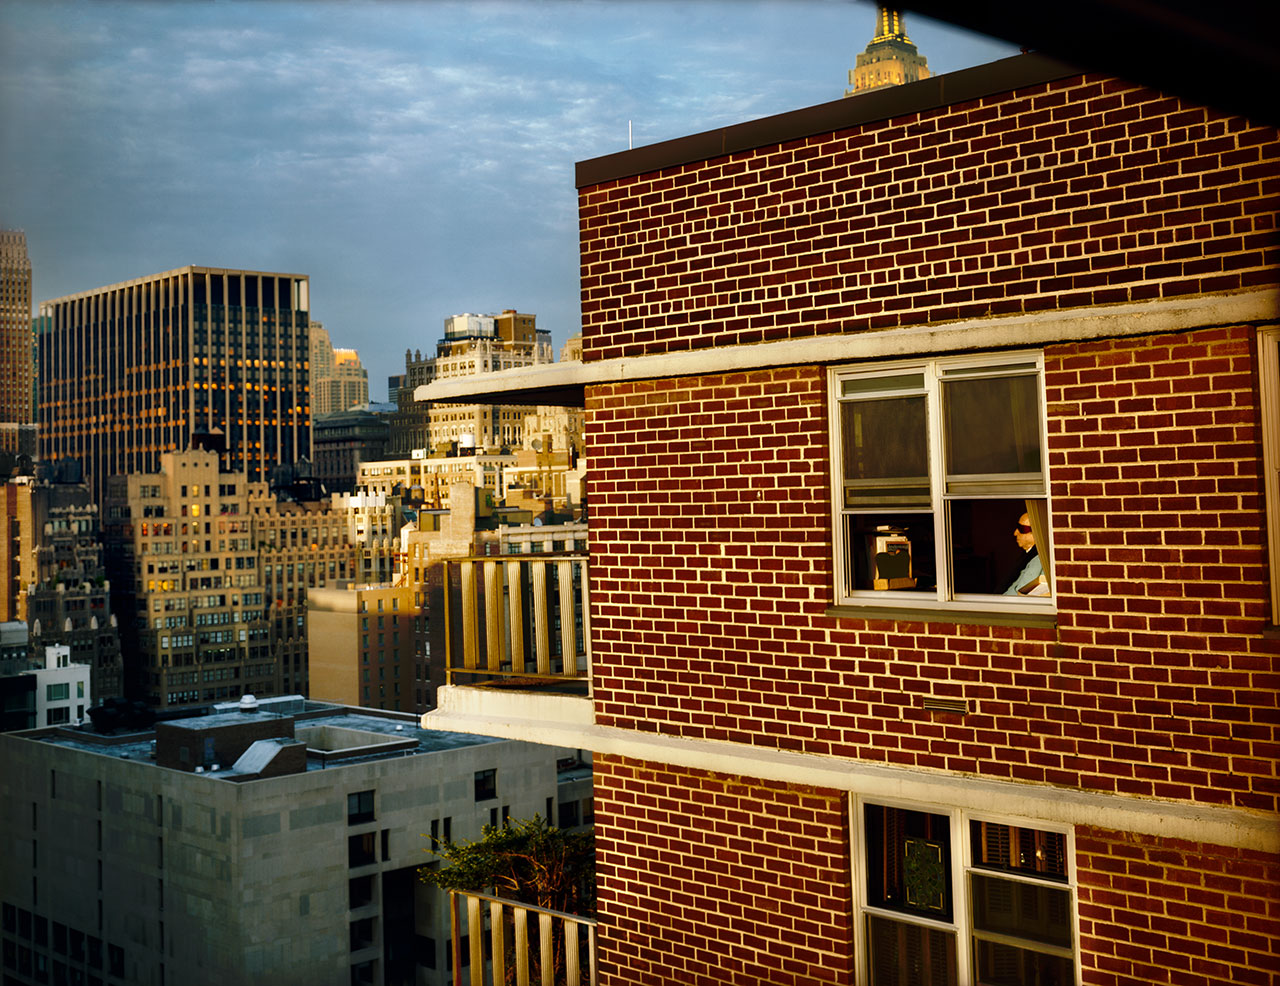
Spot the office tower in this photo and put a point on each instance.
(17, 418)
(193, 356)
(339, 382)
(890, 59)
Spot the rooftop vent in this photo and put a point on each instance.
(248, 704)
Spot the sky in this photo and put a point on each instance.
(414, 158)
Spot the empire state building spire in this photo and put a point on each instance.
(890, 59)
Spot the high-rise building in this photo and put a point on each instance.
(211, 572)
(339, 381)
(890, 59)
(17, 372)
(471, 344)
(196, 355)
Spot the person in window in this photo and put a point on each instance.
(1032, 567)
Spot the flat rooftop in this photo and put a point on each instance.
(361, 735)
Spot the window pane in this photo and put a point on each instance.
(1022, 910)
(886, 452)
(904, 954)
(1019, 850)
(992, 426)
(890, 551)
(1004, 965)
(988, 552)
(909, 861)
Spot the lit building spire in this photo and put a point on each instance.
(890, 59)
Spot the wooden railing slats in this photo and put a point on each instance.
(496, 972)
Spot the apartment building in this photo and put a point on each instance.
(132, 370)
(56, 581)
(210, 573)
(843, 369)
(366, 646)
(274, 841)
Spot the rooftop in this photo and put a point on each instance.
(335, 735)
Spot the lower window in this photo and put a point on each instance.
(956, 900)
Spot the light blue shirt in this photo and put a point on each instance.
(1030, 570)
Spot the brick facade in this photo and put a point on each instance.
(1168, 911)
(712, 880)
(712, 571)
(1084, 191)
(712, 533)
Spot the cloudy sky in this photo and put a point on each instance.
(415, 158)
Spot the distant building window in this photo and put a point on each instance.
(362, 849)
(486, 785)
(57, 693)
(568, 814)
(359, 807)
(53, 717)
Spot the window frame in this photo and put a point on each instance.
(1268, 343)
(962, 868)
(933, 371)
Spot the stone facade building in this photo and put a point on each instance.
(262, 842)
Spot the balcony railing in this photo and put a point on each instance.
(528, 946)
(517, 619)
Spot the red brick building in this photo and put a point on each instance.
(832, 361)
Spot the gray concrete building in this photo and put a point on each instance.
(275, 842)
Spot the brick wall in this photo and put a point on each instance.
(1164, 911)
(1085, 191)
(708, 880)
(711, 576)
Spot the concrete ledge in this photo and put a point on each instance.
(566, 383)
(1210, 824)
(510, 706)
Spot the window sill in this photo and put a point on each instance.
(942, 614)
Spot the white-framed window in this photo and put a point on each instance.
(940, 483)
(1269, 384)
(955, 898)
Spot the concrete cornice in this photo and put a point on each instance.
(572, 728)
(556, 383)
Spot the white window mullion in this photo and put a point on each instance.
(937, 484)
(964, 899)
(1269, 386)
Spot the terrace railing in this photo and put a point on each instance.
(512, 944)
(517, 619)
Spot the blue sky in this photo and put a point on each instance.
(414, 158)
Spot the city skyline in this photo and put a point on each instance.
(415, 160)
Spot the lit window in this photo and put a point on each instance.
(940, 485)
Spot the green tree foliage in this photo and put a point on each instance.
(528, 861)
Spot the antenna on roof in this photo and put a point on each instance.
(629, 144)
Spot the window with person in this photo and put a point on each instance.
(939, 466)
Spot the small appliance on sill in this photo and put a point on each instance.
(889, 552)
